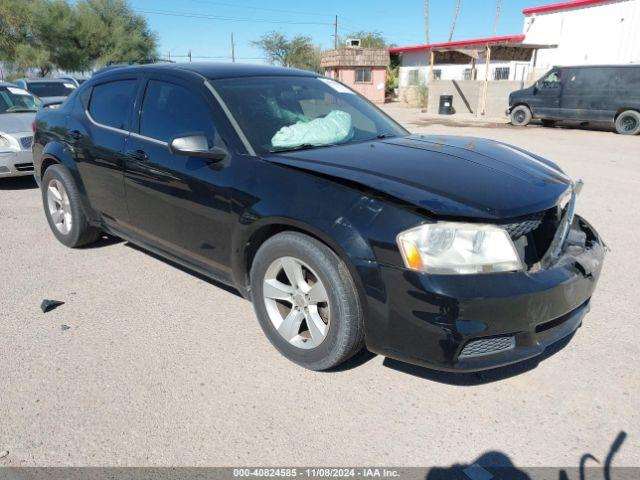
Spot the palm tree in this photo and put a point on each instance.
(455, 19)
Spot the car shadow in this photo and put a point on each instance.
(360, 358)
(476, 378)
(184, 269)
(18, 183)
(105, 240)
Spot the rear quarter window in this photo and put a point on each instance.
(111, 102)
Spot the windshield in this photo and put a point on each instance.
(51, 89)
(14, 99)
(290, 113)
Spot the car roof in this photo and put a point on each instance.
(44, 80)
(218, 70)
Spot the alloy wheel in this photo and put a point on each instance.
(297, 302)
(59, 206)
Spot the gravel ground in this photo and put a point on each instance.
(162, 367)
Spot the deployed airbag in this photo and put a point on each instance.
(330, 129)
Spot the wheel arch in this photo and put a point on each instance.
(245, 249)
(56, 154)
(626, 109)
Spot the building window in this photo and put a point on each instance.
(414, 77)
(466, 75)
(437, 74)
(363, 75)
(501, 73)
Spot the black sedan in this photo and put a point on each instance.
(344, 230)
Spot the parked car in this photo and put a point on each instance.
(342, 228)
(609, 93)
(17, 113)
(77, 81)
(53, 90)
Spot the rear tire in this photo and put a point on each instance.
(521, 116)
(63, 208)
(628, 123)
(315, 320)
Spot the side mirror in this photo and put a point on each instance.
(196, 146)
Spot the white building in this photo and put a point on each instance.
(586, 32)
(576, 32)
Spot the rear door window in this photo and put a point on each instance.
(170, 110)
(111, 102)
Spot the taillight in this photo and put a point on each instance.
(33, 127)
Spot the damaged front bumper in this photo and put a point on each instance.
(478, 322)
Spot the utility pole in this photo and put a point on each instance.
(426, 20)
(335, 34)
(233, 50)
(189, 55)
(495, 24)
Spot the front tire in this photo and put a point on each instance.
(628, 123)
(521, 116)
(306, 301)
(63, 208)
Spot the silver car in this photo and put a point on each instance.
(17, 112)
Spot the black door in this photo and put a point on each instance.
(178, 203)
(97, 131)
(545, 102)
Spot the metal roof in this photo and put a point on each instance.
(508, 40)
(564, 6)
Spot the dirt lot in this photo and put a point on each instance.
(162, 367)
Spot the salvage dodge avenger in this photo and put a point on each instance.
(344, 230)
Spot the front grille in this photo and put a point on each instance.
(487, 346)
(26, 142)
(525, 225)
(24, 167)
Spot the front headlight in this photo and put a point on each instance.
(458, 248)
(4, 142)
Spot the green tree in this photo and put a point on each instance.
(110, 32)
(372, 39)
(297, 52)
(50, 34)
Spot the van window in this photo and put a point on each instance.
(552, 80)
(110, 102)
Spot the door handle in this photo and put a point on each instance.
(139, 155)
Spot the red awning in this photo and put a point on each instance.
(562, 6)
(460, 44)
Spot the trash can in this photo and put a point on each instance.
(446, 105)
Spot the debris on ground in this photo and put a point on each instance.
(48, 305)
(65, 327)
(4, 454)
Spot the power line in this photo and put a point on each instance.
(278, 10)
(171, 13)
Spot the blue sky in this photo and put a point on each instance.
(401, 22)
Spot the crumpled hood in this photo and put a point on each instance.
(16, 122)
(446, 175)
